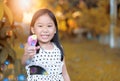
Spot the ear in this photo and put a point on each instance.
(32, 30)
(55, 32)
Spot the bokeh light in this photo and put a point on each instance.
(21, 45)
(27, 16)
(21, 77)
(5, 79)
(1, 76)
(3, 67)
(6, 62)
(11, 77)
(24, 4)
(81, 21)
(11, 66)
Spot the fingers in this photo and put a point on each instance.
(30, 50)
(38, 47)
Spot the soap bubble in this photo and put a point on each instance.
(7, 62)
(21, 45)
(21, 77)
(5, 79)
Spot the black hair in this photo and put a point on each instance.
(55, 39)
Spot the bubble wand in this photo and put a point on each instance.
(32, 40)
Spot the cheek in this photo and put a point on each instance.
(53, 30)
(37, 30)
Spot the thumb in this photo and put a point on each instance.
(38, 47)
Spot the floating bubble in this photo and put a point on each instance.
(5, 79)
(28, 61)
(21, 46)
(6, 62)
(21, 77)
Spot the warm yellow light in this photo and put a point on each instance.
(25, 4)
(27, 17)
(30, 7)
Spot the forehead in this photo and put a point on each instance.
(45, 18)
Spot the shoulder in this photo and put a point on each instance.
(57, 45)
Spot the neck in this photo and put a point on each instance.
(47, 45)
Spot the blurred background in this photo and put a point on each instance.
(89, 31)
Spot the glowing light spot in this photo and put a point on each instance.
(6, 62)
(5, 79)
(3, 67)
(21, 77)
(11, 66)
(27, 17)
(24, 4)
(11, 77)
(21, 45)
(1, 76)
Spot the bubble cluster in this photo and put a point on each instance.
(4, 66)
(20, 77)
(9, 66)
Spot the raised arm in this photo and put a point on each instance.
(29, 52)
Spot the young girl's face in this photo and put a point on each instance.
(44, 28)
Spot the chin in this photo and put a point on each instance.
(45, 41)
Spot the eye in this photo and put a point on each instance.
(49, 25)
(39, 25)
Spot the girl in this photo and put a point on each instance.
(47, 57)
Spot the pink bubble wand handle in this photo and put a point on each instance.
(32, 40)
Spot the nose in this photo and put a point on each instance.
(45, 30)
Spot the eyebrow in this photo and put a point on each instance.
(47, 23)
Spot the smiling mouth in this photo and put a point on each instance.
(44, 36)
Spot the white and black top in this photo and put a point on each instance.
(50, 60)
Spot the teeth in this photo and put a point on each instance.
(44, 36)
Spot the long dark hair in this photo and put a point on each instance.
(55, 39)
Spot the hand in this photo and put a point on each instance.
(30, 51)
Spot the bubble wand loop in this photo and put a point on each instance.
(32, 40)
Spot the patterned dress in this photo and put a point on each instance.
(50, 60)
